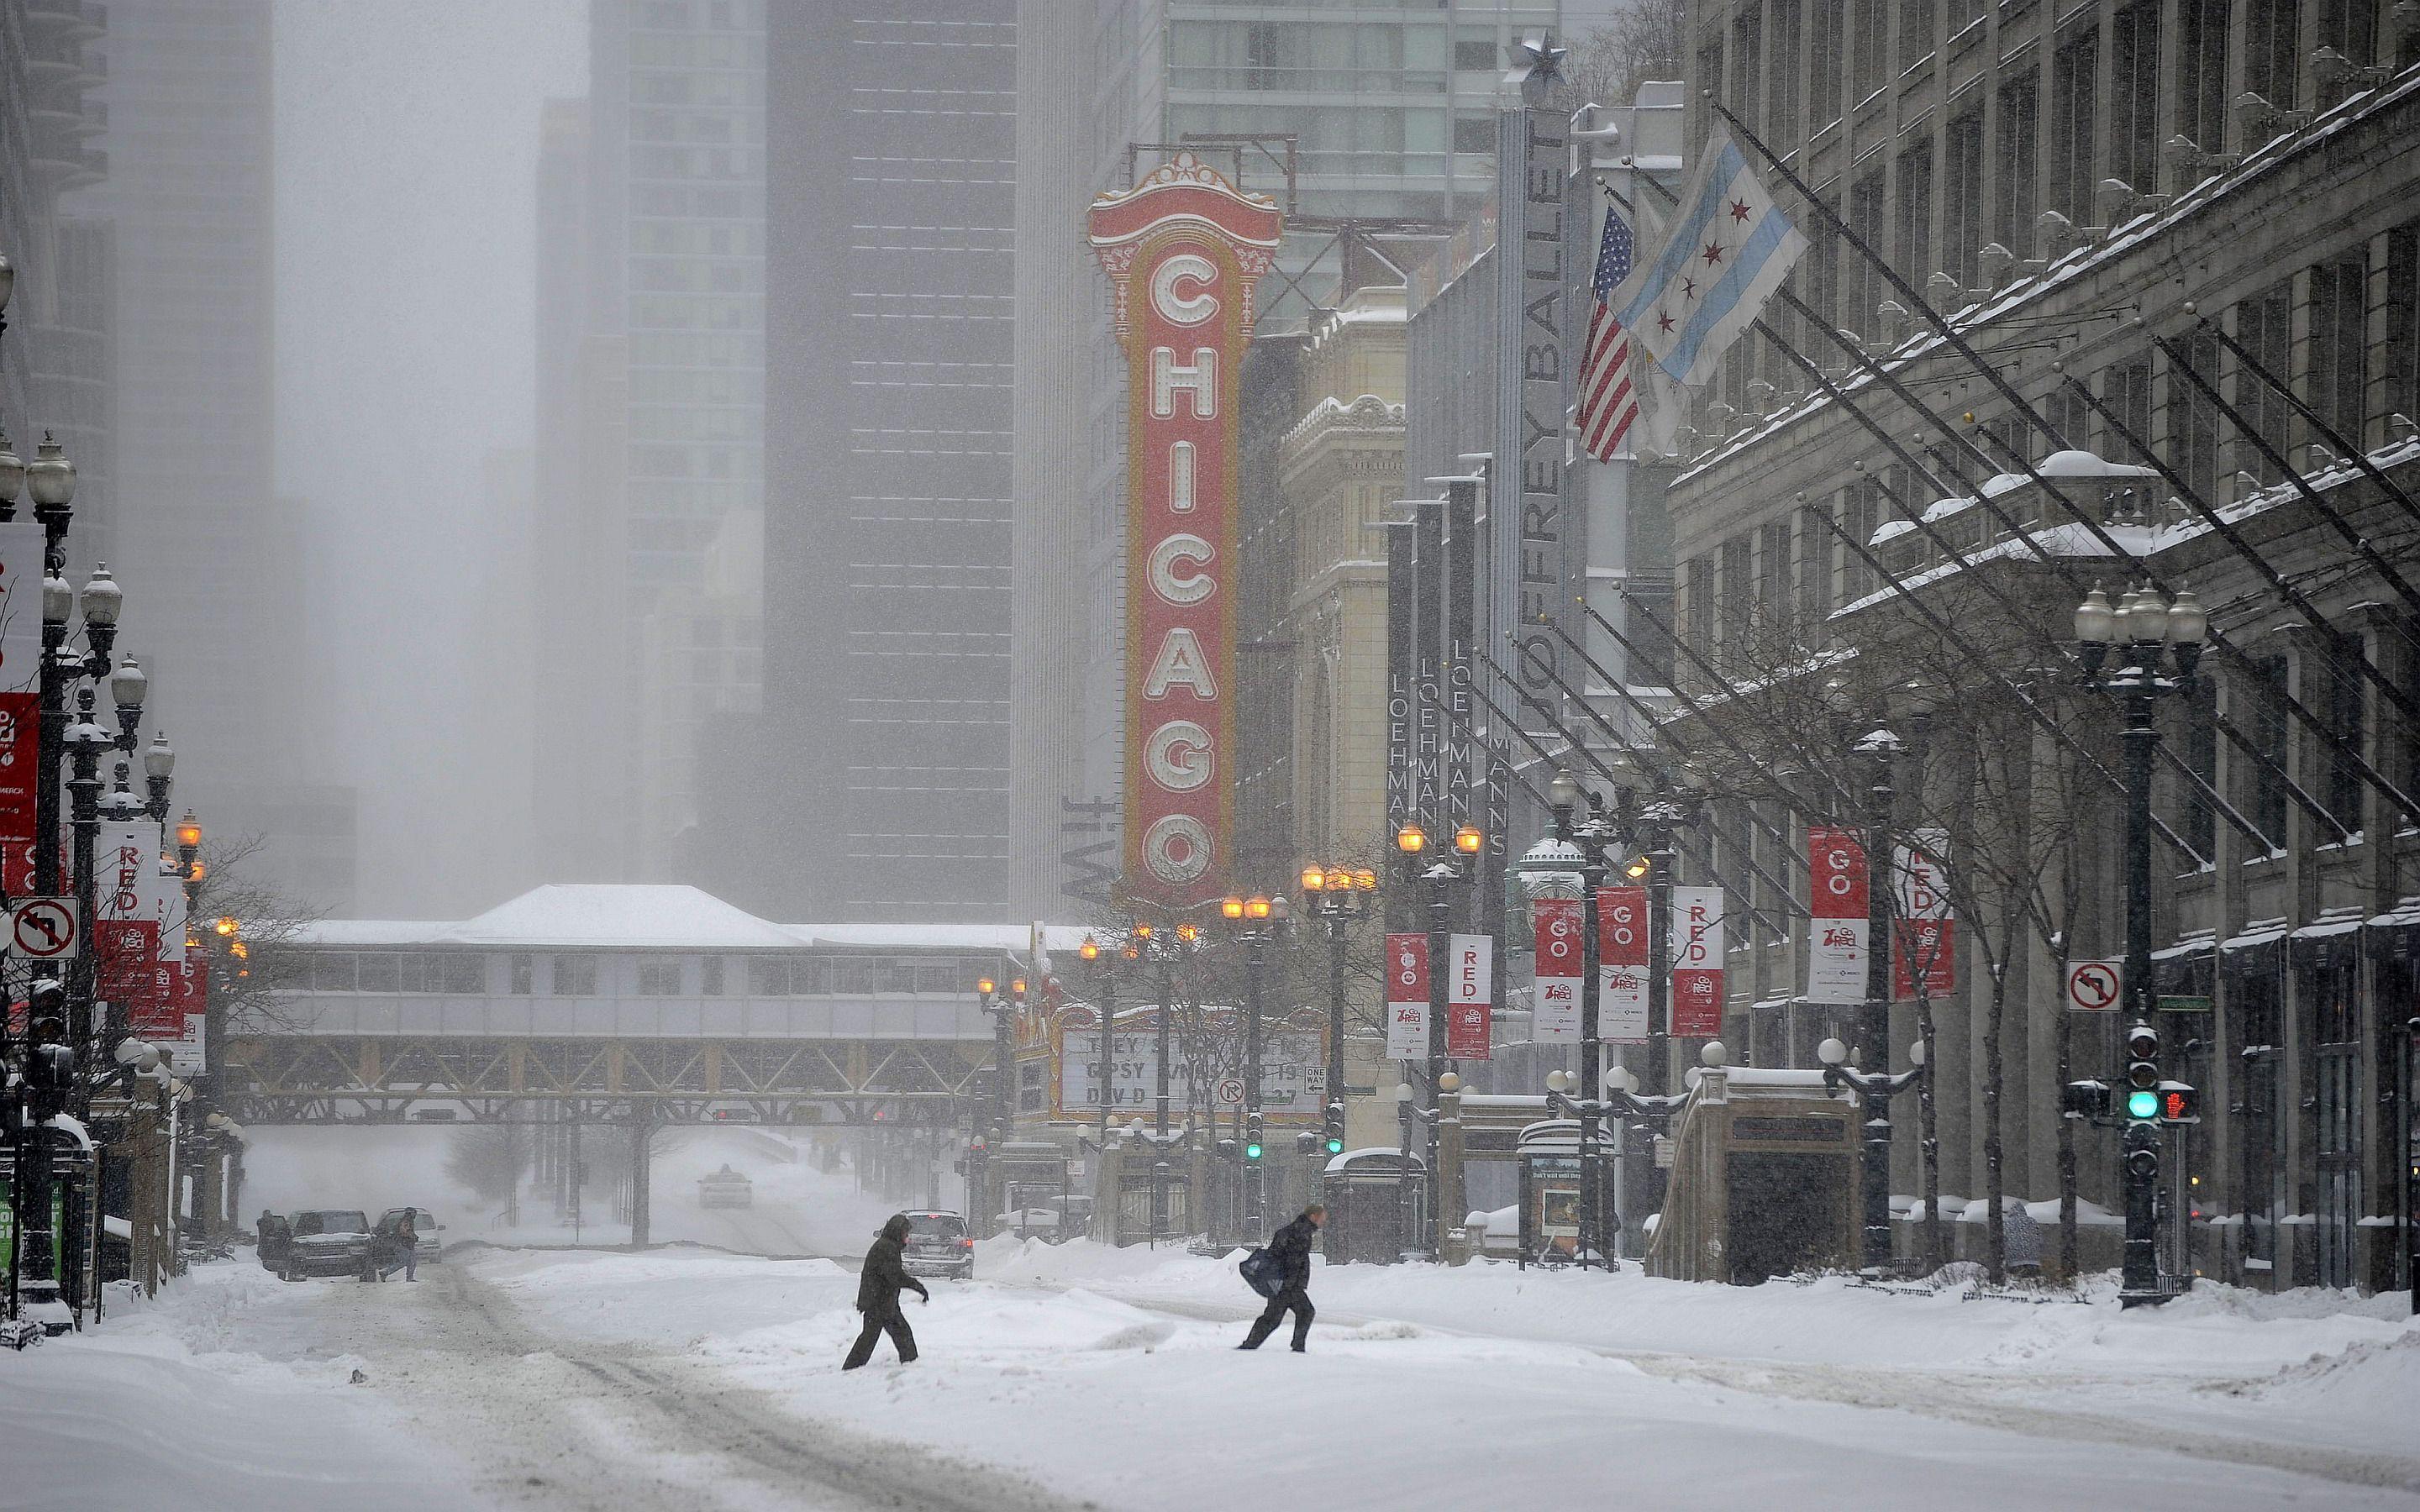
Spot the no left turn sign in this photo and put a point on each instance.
(41, 929)
(2092, 986)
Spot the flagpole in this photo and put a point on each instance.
(2359, 457)
(2236, 658)
(2353, 538)
(2278, 584)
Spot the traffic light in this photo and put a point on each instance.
(2142, 1072)
(1226, 1149)
(1252, 1138)
(1305, 1143)
(2142, 1150)
(1334, 1144)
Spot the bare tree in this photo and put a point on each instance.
(1642, 42)
(247, 924)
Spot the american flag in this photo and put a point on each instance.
(1609, 403)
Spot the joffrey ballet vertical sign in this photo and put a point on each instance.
(1182, 248)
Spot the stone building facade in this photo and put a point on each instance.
(2076, 193)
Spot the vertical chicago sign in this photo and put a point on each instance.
(1183, 250)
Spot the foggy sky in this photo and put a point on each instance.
(406, 148)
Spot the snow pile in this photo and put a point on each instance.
(160, 1406)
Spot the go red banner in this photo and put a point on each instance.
(1470, 990)
(1555, 1009)
(1183, 250)
(1696, 946)
(1621, 965)
(1837, 924)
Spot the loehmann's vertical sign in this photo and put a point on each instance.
(1182, 248)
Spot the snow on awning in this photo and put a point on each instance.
(2404, 915)
(2326, 927)
(2199, 942)
(2262, 932)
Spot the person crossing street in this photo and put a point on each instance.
(877, 1295)
(1290, 1248)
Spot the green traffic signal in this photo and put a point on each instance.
(1336, 1147)
(1252, 1151)
(2142, 1103)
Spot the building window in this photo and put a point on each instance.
(710, 976)
(2201, 59)
(2193, 420)
(1823, 80)
(2272, 59)
(1748, 57)
(1858, 504)
(2074, 102)
(660, 976)
(1961, 197)
(1475, 56)
(852, 976)
(1866, 204)
(1779, 601)
(2134, 96)
(2350, 26)
(1870, 47)
(1914, 237)
(520, 972)
(2126, 389)
(2343, 705)
(2016, 200)
(378, 974)
(2339, 384)
(1710, 76)
(1698, 627)
(1823, 281)
(575, 976)
(2264, 718)
(1781, 106)
(2264, 328)
(331, 972)
(2402, 347)
(1814, 570)
(1474, 134)
(1739, 592)
(1914, 32)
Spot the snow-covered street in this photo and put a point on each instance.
(1080, 1376)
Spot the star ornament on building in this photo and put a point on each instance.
(1539, 52)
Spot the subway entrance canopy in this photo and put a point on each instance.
(609, 1002)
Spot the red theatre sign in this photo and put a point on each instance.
(1183, 250)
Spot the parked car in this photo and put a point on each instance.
(424, 1223)
(937, 1245)
(330, 1242)
(725, 1188)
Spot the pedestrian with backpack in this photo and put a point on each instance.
(1282, 1273)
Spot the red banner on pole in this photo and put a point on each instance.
(1554, 1012)
(1924, 932)
(1621, 965)
(1468, 1013)
(1839, 921)
(1407, 997)
(1696, 945)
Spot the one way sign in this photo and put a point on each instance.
(41, 929)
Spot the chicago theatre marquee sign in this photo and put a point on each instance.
(1182, 248)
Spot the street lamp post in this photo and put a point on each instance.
(1874, 1091)
(2158, 644)
(1411, 843)
(1262, 918)
(1339, 896)
(1103, 997)
(1563, 793)
(1879, 747)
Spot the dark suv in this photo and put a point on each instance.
(329, 1242)
(937, 1245)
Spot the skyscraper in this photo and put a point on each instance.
(207, 549)
(651, 361)
(889, 213)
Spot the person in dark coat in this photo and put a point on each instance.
(1291, 1247)
(402, 1242)
(877, 1295)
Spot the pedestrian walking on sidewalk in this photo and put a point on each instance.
(1290, 1249)
(877, 1295)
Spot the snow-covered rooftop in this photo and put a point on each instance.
(643, 916)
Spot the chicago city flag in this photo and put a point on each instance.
(1729, 248)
